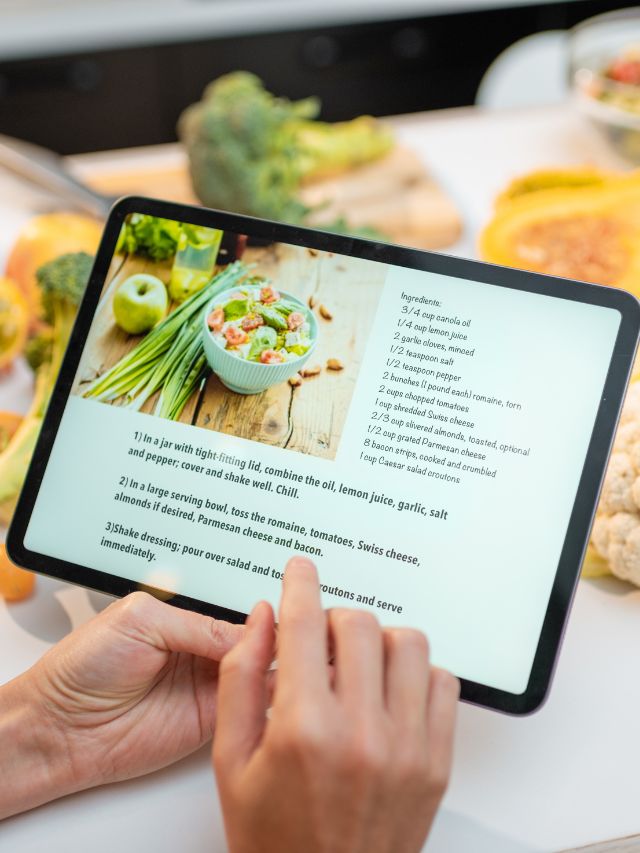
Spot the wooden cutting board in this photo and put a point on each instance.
(396, 195)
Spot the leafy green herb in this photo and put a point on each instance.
(235, 309)
(264, 338)
(285, 307)
(271, 316)
(150, 236)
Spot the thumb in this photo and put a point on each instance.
(243, 691)
(173, 630)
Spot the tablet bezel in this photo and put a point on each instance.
(590, 482)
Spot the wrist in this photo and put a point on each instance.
(34, 761)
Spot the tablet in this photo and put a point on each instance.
(431, 431)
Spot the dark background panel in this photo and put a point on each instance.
(120, 98)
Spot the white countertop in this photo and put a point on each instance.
(562, 778)
(47, 27)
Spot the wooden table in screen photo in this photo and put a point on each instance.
(308, 418)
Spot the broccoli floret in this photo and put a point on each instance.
(330, 149)
(38, 348)
(242, 148)
(250, 151)
(62, 283)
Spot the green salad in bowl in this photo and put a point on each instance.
(604, 55)
(256, 336)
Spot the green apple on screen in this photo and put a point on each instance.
(140, 303)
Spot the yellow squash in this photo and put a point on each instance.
(594, 566)
(587, 230)
(9, 423)
(46, 237)
(549, 179)
(14, 321)
(15, 583)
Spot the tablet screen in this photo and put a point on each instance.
(419, 436)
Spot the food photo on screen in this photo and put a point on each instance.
(258, 341)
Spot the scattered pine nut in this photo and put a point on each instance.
(335, 364)
(324, 312)
(311, 301)
(295, 380)
(310, 371)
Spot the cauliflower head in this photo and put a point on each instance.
(616, 530)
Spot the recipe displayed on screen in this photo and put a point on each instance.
(420, 437)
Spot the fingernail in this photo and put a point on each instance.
(300, 563)
(251, 618)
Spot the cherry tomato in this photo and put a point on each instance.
(235, 336)
(215, 320)
(251, 321)
(295, 320)
(268, 294)
(625, 71)
(270, 356)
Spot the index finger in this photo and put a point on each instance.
(302, 631)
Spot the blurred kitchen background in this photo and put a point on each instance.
(86, 75)
(510, 133)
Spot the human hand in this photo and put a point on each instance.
(353, 759)
(129, 692)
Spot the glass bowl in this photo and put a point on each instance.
(250, 377)
(604, 63)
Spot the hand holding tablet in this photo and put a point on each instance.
(140, 686)
(444, 476)
(130, 691)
